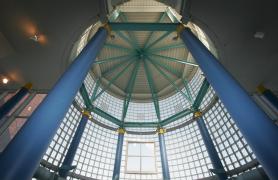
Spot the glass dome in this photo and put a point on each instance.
(142, 81)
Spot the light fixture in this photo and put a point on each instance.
(5, 80)
(259, 35)
(35, 38)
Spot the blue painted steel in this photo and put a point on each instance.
(259, 131)
(67, 163)
(118, 158)
(213, 155)
(12, 102)
(271, 98)
(163, 155)
(22, 156)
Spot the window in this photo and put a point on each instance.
(140, 157)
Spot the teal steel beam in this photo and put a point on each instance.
(141, 124)
(112, 80)
(114, 46)
(176, 117)
(163, 48)
(171, 15)
(95, 89)
(118, 58)
(129, 89)
(121, 35)
(117, 66)
(174, 59)
(131, 35)
(132, 26)
(114, 16)
(167, 78)
(159, 39)
(105, 115)
(201, 94)
(151, 34)
(153, 91)
(185, 82)
(85, 96)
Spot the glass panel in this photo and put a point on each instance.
(147, 149)
(148, 164)
(133, 149)
(133, 164)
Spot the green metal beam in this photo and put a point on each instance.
(95, 89)
(173, 46)
(132, 26)
(129, 89)
(121, 35)
(176, 117)
(171, 15)
(159, 39)
(112, 80)
(141, 124)
(114, 46)
(153, 91)
(174, 59)
(166, 77)
(201, 94)
(161, 18)
(105, 115)
(85, 96)
(114, 16)
(118, 58)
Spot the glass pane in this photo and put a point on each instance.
(133, 164)
(148, 164)
(147, 149)
(133, 149)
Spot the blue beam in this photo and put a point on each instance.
(143, 26)
(218, 167)
(163, 154)
(13, 101)
(118, 157)
(257, 128)
(22, 156)
(67, 163)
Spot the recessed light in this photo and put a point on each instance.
(5, 80)
(259, 35)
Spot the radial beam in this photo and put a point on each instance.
(201, 94)
(132, 26)
(113, 80)
(167, 78)
(174, 59)
(114, 46)
(116, 58)
(159, 39)
(153, 90)
(163, 48)
(176, 117)
(129, 89)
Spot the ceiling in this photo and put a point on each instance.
(231, 25)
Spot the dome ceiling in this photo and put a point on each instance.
(141, 64)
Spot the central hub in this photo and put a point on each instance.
(141, 54)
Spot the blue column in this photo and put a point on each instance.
(268, 95)
(258, 130)
(22, 156)
(213, 155)
(163, 154)
(12, 102)
(118, 157)
(67, 163)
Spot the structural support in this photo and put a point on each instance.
(67, 163)
(118, 158)
(218, 168)
(131, 26)
(269, 96)
(23, 154)
(163, 154)
(12, 102)
(259, 131)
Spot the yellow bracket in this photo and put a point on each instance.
(121, 130)
(197, 114)
(28, 86)
(108, 28)
(261, 89)
(180, 28)
(161, 130)
(86, 113)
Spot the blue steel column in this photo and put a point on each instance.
(67, 163)
(118, 157)
(213, 155)
(163, 154)
(12, 102)
(258, 130)
(268, 95)
(23, 154)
